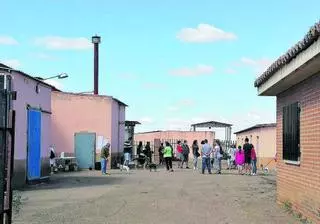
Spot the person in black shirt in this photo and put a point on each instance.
(247, 147)
(161, 148)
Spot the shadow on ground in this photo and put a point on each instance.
(74, 181)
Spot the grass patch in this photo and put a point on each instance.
(287, 205)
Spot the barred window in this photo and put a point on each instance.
(291, 132)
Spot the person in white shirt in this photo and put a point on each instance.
(52, 158)
(217, 156)
(231, 156)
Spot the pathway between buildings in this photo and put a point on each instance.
(157, 197)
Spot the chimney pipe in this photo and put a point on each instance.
(96, 41)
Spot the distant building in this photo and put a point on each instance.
(32, 127)
(263, 138)
(294, 79)
(82, 123)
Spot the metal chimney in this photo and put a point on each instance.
(96, 41)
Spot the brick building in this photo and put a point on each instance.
(295, 80)
(263, 138)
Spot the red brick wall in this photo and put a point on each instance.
(300, 185)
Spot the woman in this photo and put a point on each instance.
(147, 151)
(240, 159)
(253, 162)
(217, 157)
(179, 152)
(196, 154)
(167, 155)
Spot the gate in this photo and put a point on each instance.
(7, 124)
(34, 145)
(85, 149)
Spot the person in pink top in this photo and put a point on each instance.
(179, 154)
(253, 162)
(240, 159)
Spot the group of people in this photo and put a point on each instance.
(244, 158)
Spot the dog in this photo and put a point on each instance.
(123, 167)
(152, 166)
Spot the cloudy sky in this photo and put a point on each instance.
(173, 62)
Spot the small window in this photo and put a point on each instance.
(291, 132)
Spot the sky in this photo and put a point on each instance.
(173, 62)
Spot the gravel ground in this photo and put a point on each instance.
(184, 196)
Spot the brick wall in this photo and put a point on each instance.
(300, 185)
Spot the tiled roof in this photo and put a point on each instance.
(312, 36)
(257, 126)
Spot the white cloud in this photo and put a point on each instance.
(7, 40)
(146, 120)
(153, 85)
(13, 63)
(128, 76)
(180, 104)
(43, 56)
(259, 65)
(196, 71)
(54, 83)
(64, 43)
(173, 108)
(230, 71)
(204, 33)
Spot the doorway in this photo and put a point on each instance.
(85, 149)
(34, 145)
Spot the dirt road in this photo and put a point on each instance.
(142, 197)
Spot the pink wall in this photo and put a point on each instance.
(72, 113)
(26, 95)
(118, 130)
(185, 135)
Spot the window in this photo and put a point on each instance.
(291, 132)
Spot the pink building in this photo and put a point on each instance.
(163, 136)
(263, 137)
(82, 123)
(33, 127)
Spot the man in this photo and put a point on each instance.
(104, 154)
(127, 151)
(247, 147)
(185, 152)
(52, 159)
(206, 152)
(161, 149)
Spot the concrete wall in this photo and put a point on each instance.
(190, 136)
(26, 95)
(118, 131)
(300, 184)
(72, 113)
(264, 141)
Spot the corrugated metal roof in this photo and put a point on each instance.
(312, 36)
(256, 127)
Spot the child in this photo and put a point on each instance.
(253, 162)
(240, 160)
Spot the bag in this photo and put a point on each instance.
(52, 155)
(197, 154)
